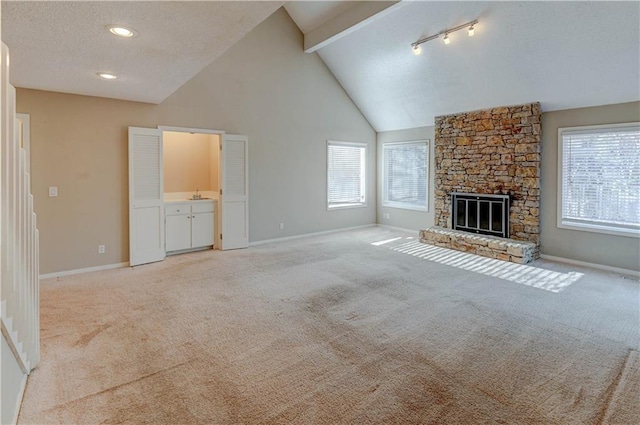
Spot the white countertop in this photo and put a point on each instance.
(174, 197)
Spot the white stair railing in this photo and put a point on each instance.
(19, 246)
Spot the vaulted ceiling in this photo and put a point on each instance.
(563, 54)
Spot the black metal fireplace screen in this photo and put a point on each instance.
(484, 214)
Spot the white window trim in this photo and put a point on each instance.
(345, 206)
(586, 227)
(401, 205)
(190, 130)
(364, 176)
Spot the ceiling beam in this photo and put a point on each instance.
(347, 22)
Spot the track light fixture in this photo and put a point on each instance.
(471, 31)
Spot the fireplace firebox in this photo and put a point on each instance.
(481, 213)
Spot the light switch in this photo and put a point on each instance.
(53, 191)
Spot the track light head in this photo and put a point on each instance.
(469, 26)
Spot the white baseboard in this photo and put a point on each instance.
(633, 273)
(306, 235)
(400, 229)
(23, 386)
(87, 270)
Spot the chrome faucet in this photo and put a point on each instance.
(197, 195)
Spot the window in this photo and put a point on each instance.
(346, 174)
(405, 174)
(599, 178)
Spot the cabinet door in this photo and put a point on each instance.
(202, 229)
(178, 232)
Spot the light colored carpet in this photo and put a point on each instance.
(335, 330)
(624, 405)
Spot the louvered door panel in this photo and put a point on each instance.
(146, 168)
(146, 206)
(235, 171)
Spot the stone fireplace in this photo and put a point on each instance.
(489, 154)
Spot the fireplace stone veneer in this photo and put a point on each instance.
(492, 152)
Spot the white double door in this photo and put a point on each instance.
(146, 195)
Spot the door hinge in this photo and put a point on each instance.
(220, 191)
(220, 146)
(220, 236)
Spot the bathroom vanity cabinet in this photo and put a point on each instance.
(189, 225)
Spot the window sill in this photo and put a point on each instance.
(345, 206)
(401, 206)
(594, 228)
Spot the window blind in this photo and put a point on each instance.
(345, 174)
(601, 177)
(405, 174)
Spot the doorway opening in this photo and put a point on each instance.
(191, 172)
(226, 218)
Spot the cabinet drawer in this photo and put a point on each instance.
(177, 209)
(198, 207)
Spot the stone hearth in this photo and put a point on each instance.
(488, 246)
(493, 151)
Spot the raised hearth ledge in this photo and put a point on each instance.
(520, 252)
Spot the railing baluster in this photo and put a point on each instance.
(19, 257)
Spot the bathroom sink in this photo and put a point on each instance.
(197, 199)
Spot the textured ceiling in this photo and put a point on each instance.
(563, 54)
(59, 46)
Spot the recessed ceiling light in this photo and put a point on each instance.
(121, 31)
(107, 75)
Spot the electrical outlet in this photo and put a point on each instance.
(53, 191)
(281, 226)
(101, 249)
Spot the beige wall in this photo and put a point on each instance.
(598, 248)
(407, 219)
(188, 161)
(214, 159)
(266, 87)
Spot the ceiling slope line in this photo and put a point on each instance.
(348, 22)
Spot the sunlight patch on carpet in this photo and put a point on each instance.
(548, 280)
(385, 242)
